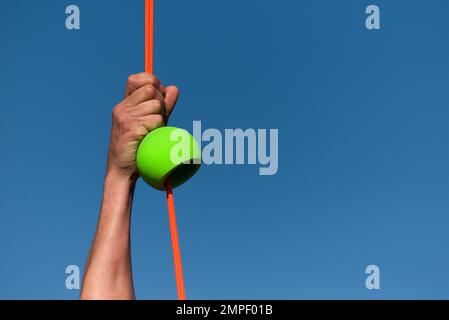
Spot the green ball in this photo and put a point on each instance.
(168, 151)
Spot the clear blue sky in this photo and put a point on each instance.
(363, 127)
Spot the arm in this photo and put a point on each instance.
(108, 270)
(146, 106)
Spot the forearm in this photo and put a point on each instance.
(108, 271)
(146, 106)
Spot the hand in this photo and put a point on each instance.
(147, 106)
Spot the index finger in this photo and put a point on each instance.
(137, 81)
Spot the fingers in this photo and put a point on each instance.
(148, 108)
(145, 93)
(139, 80)
(171, 96)
(152, 121)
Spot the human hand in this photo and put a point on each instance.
(147, 106)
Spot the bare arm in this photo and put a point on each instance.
(147, 104)
(108, 271)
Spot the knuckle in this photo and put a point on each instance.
(157, 105)
(154, 80)
(150, 90)
(132, 79)
(121, 119)
(116, 111)
(119, 115)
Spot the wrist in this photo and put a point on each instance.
(120, 176)
(118, 193)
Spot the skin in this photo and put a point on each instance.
(146, 106)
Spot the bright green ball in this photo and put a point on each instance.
(168, 151)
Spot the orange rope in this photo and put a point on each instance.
(149, 55)
(149, 35)
(175, 242)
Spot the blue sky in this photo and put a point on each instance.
(363, 146)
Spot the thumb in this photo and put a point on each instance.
(171, 96)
